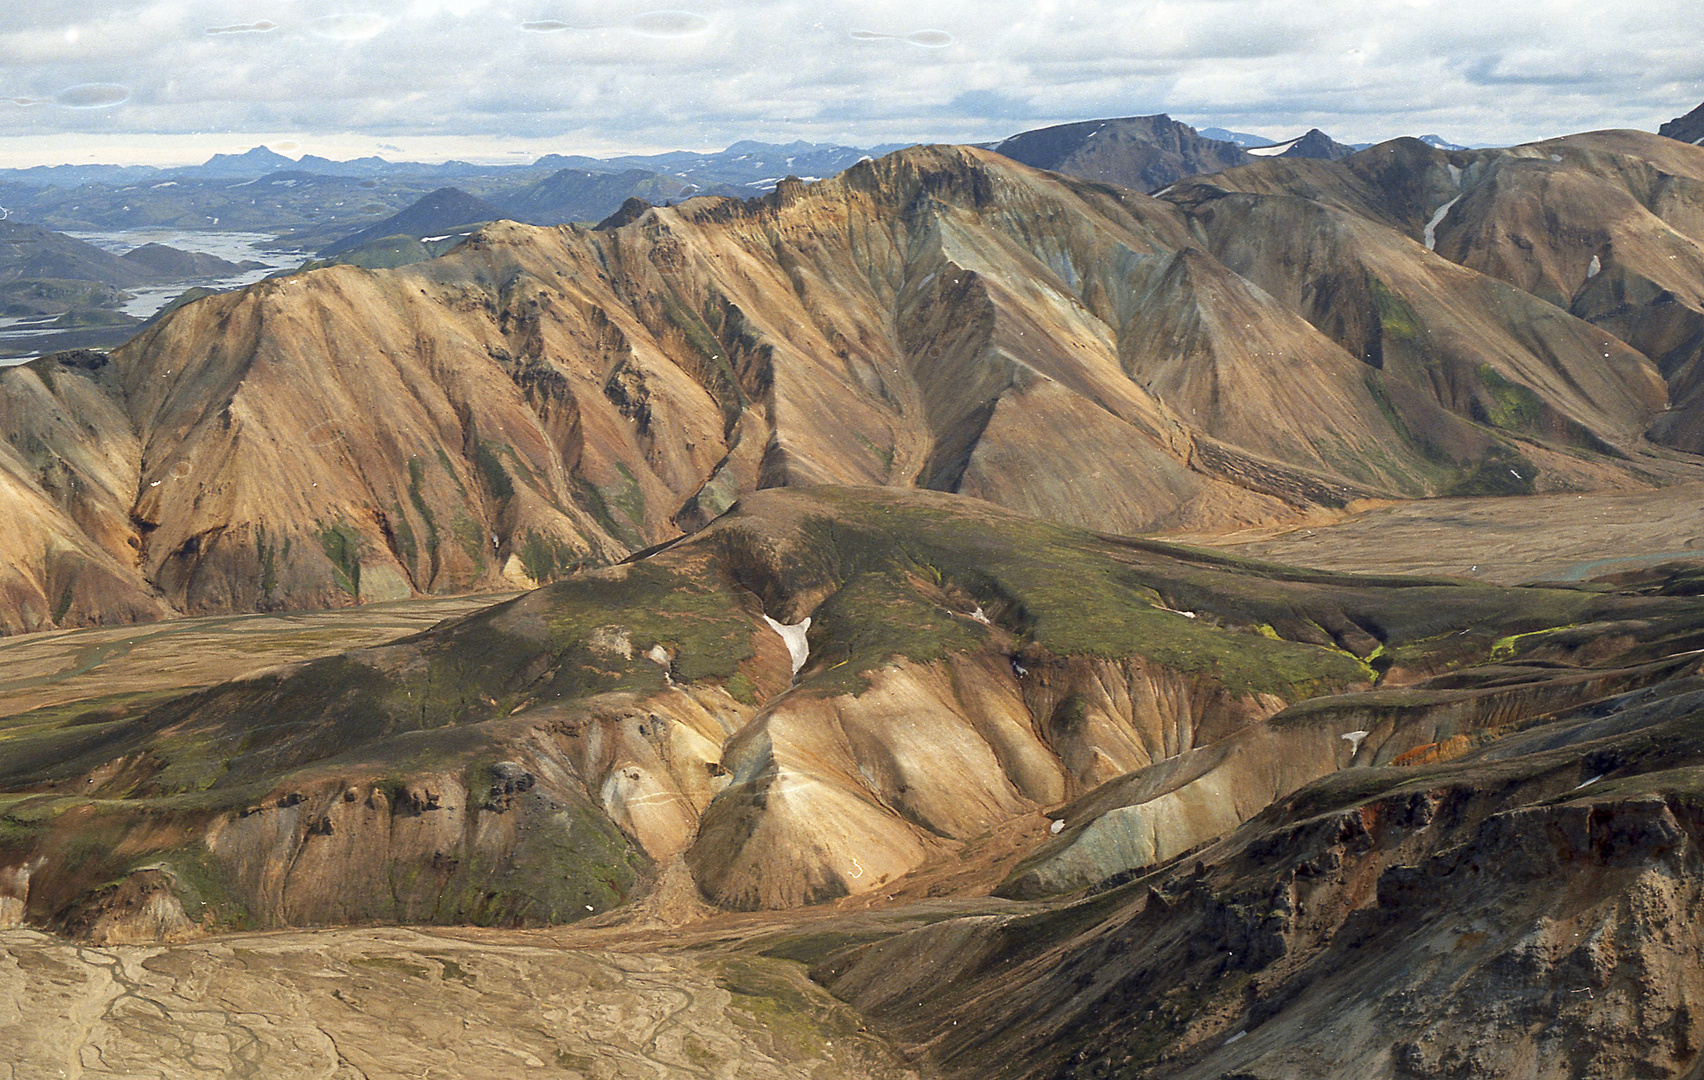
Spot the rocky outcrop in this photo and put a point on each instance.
(1502, 914)
(1687, 129)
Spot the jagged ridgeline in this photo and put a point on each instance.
(1289, 334)
(966, 667)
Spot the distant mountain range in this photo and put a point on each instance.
(318, 203)
(1241, 138)
(1141, 152)
(1152, 152)
(752, 164)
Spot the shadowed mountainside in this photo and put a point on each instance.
(1688, 128)
(1141, 152)
(545, 399)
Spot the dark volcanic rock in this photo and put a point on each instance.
(582, 195)
(1142, 152)
(631, 210)
(443, 210)
(1320, 146)
(30, 252)
(1688, 128)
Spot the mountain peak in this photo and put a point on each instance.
(1143, 152)
(1316, 144)
(445, 210)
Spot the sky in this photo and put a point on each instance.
(174, 81)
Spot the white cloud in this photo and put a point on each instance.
(359, 26)
(93, 96)
(589, 75)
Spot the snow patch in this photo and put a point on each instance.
(1455, 174)
(1353, 738)
(435, 239)
(1437, 219)
(1274, 150)
(798, 646)
(1593, 780)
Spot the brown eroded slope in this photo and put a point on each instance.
(543, 399)
(1606, 225)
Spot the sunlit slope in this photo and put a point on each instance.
(545, 399)
(1606, 225)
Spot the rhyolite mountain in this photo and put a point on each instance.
(1274, 338)
(1141, 152)
(1244, 819)
(1606, 226)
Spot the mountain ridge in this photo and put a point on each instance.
(545, 399)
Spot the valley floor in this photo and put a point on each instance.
(417, 1004)
(1505, 541)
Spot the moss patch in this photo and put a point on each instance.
(343, 546)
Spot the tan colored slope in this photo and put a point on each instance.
(1614, 231)
(1473, 368)
(1606, 225)
(1253, 374)
(544, 399)
(66, 545)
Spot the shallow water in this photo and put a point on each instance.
(146, 302)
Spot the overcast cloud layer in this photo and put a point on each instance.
(82, 80)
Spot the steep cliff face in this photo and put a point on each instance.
(546, 399)
(68, 551)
